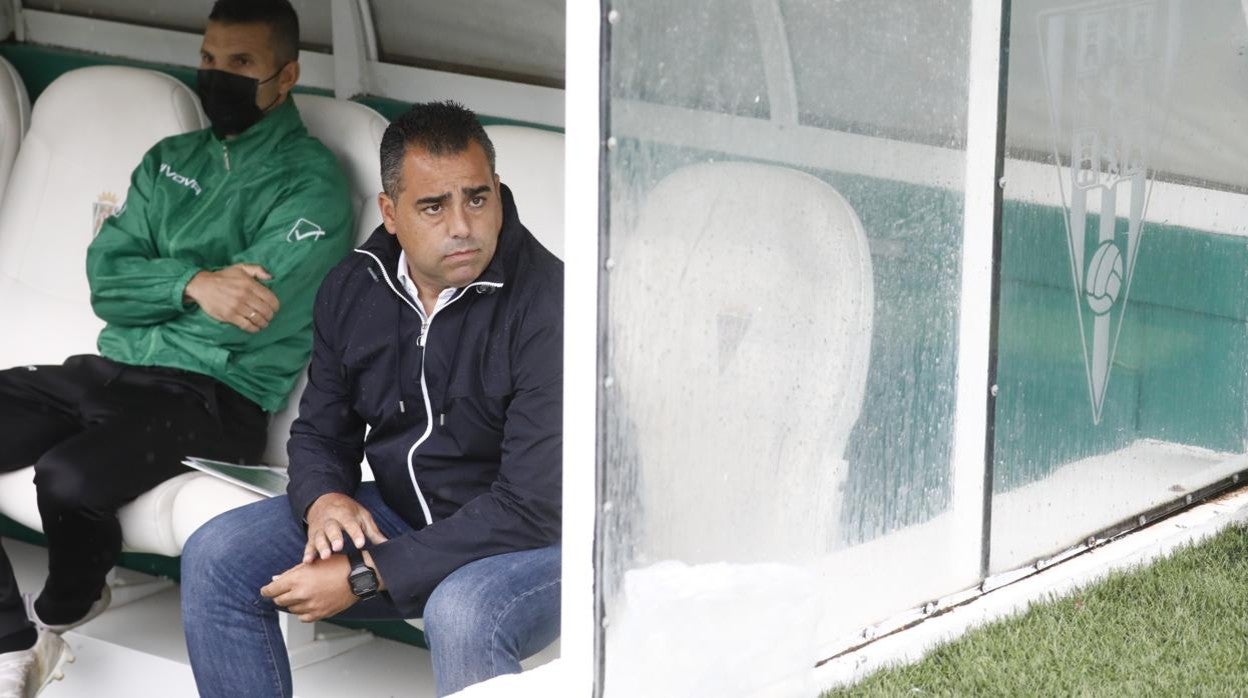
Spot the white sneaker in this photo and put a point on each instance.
(106, 597)
(24, 674)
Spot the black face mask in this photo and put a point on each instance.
(229, 100)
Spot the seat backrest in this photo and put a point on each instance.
(14, 118)
(530, 162)
(761, 285)
(353, 133)
(88, 131)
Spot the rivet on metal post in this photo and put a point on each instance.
(613, 16)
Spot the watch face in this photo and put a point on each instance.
(363, 583)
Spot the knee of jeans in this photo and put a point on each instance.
(455, 615)
(209, 551)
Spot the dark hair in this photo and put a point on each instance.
(280, 17)
(441, 128)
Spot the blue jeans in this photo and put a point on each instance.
(479, 623)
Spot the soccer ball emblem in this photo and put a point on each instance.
(1104, 279)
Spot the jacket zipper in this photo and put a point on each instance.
(225, 152)
(424, 389)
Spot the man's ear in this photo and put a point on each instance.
(386, 204)
(287, 78)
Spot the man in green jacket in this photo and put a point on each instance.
(205, 278)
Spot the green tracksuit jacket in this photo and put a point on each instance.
(272, 196)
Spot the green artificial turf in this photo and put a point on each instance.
(1178, 627)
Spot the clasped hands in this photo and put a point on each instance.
(317, 587)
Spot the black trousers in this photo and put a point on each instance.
(99, 434)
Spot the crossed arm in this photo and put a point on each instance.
(134, 282)
(235, 295)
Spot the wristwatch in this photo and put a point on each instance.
(362, 578)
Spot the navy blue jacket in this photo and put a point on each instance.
(465, 433)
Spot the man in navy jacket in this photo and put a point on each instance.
(443, 335)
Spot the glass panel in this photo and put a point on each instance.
(189, 15)
(699, 55)
(1123, 291)
(917, 49)
(495, 38)
(780, 326)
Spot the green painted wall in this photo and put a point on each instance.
(1178, 374)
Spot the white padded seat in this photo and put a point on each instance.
(530, 162)
(70, 170)
(761, 279)
(146, 523)
(353, 132)
(71, 167)
(200, 500)
(14, 118)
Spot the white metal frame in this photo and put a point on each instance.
(355, 45)
(970, 435)
(583, 148)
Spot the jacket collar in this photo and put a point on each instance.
(257, 142)
(384, 247)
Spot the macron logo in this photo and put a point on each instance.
(304, 229)
(181, 179)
